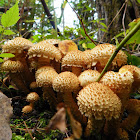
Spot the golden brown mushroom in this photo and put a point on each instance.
(98, 102)
(15, 69)
(102, 53)
(74, 60)
(64, 84)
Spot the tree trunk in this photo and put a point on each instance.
(108, 9)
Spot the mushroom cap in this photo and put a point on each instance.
(12, 66)
(53, 41)
(73, 58)
(102, 53)
(133, 69)
(17, 45)
(89, 58)
(27, 109)
(45, 78)
(32, 97)
(66, 82)
(33, 85)
(66, 46)
(99, 101)
(45, 50)
(43, 68)
(88, 76)
(120, 83)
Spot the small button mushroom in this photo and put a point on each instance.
(32, 97)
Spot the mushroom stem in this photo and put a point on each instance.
(76, 70)
(27, 75)
(69, 102)
(130, 121)
(94, 126)
(17, 79)
(49, 95)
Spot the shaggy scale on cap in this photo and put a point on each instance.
(17, 45)
(88, 76)
(32, 97)
(99, 101)
(45, 50)
(45, 78)
(12, 66)
(66, 82)
(102, 53)
(44, 68)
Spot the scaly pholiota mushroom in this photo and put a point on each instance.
(19, 47)
(120, 84)
(98, 102)
(43, 53)
(136, 74)
(32, 97)
(74, 60)
(88, 76)
(103, 52)
(44, 80)
(64, 84)
(15, 69)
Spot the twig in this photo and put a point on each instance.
(28, 130)
(137, 134)
(129, 35)
(113, 20)
(124, 18)
(82, 24)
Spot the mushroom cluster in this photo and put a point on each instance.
(66, 74)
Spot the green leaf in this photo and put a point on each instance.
(1, 60)
(2, 2)
(104, 30)
(9, 55)
(103, 24)
(1, 28)
(90, 45)
(8, 32)
(133, 60)
(138, 1)
(11, 16)
(10, 86)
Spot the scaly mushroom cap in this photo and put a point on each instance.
(12, 66)
(45, 78)
(44, 68)
(32, 97)
(73, 58)
(27, 109)
(66, 82)
(66, 46)
(17, 45)
(133, 69)
(89, 59)
(118, 82)
(88, 76)
(53, 41)
(99, 101)
(102, 53)
(45, 50)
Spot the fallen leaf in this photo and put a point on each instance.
(75, 125)
(58, 121)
